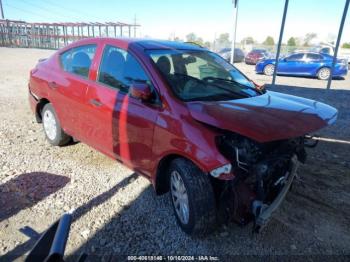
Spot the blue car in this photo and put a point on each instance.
(304, 64)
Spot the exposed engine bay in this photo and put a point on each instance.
(263, 172)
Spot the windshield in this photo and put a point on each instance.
(201, 75)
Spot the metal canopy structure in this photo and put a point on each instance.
(285, 10)
(56, 35)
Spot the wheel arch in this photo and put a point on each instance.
(321, 67)
(161, 180)
(268, 64)
(39, 107)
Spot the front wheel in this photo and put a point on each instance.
(52, 128)
(269, 69)
(192, 198)
(324, 73)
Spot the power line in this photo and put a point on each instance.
(70, 9)
(73, 11)
(57, 14)
(24, 11)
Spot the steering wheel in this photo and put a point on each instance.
(211, 78)
(208, 78)
(188, 77)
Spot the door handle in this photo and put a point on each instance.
(96, 102)
(53, 84)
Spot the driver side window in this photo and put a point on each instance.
(119, 69)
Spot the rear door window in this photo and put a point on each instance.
(78, 60)
(314, 57)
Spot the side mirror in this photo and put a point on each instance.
(141, 91)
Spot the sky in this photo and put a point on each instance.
(165, 19)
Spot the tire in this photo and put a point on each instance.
(323, 73)
(269, 69)
(201, 209)
(52, 128)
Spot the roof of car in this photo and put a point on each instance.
(306, 52)
(259, 50)
(165, 44)
(149, 43)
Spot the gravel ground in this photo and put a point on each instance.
(117, 211)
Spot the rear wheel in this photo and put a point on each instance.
(324, 73)
(52, 128)
(269, 69)
(192, 198)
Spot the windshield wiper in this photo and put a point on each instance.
(228, 89)
(238, 83)
(230, 81)
(217, 86)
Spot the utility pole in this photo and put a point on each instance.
(2, 10)
(214, 43)
(235, 2)
(135, 26)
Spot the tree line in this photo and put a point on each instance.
(224, 40)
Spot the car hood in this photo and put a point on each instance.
(268, 117)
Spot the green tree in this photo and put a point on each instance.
(269, 41)
(346, 45)
(178, 39)
(291, 42)
(191, 37)
(223, 40)
(308, 38)
(207, 44)
(248, 40)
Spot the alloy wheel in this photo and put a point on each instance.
(269, 69)
(50, 125)
(324, 73)
(179, 197)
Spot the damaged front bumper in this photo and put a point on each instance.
(266, 211)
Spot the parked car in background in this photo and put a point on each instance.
(343, 53)
(183, 117)
(304, 64)
(255, 56)
(226, 54)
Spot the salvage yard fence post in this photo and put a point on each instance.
(280, 41)
(340, 32)
(15, 33)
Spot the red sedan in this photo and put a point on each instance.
(256, 55)
(183, 117)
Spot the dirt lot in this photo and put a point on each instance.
(117, 212)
